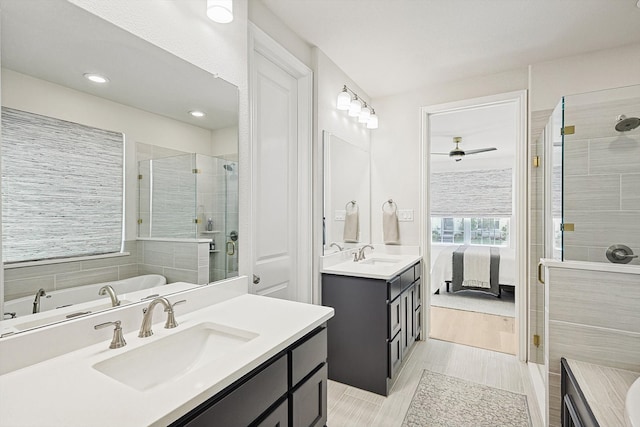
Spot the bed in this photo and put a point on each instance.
(442, 270)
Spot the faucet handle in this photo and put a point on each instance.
(171, 318)
(118, 339)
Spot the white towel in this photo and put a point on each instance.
(477, 267)
(390, 229)
(351, 232)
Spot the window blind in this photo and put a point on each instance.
(62, 188)
(474, 193)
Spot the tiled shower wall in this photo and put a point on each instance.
(601, 178)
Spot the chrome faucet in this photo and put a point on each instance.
(36, 302)
(145, 328)
(340, 248)
(118, 339)
(361, 252)
(108, 289)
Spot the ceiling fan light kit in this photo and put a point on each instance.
(458, 154)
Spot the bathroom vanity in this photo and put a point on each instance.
(234, 358)
(377, 318)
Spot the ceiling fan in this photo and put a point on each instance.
(457, 153)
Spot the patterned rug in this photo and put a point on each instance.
(441, 400)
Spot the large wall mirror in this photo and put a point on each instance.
(48, 48)
(347, 194)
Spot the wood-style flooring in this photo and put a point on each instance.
(482, 330)
(352, 407)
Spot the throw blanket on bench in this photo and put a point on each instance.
(476, 268)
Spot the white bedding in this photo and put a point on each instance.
(442, 268)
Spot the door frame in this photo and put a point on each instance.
(520, 203)
(260, 42)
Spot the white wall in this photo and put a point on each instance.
(395, 145)
(182, 28)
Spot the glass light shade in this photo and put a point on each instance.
(364, 115)
(355, 107)
(220, 11)
(372, 123)
(344, 99)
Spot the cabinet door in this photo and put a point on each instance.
(309, 401)
(417, 294)
(395, 355)
(395, 317)
(279, 417)
(418, 321)
(408, 319)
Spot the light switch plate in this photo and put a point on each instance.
(339, 215)
(405, 215)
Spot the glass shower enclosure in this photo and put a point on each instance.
(192, 196)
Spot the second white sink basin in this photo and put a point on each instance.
(632, 405)
(167, 359)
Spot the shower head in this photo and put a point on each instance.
(624, 123)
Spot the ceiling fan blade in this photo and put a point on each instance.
(480, 150)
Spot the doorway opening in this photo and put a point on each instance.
(474, 224)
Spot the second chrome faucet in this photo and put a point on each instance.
(147, 318)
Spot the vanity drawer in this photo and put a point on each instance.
(395, 287)
(261, 390)
(308, 356)
(406, 277)
(309, 401)
(417, 271)
(394, 356)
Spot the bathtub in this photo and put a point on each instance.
(82, 300)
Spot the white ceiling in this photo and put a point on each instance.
(389, 47)
(59, 42)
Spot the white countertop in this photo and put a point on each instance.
(384, 270)
(605, 390)
(68, 391)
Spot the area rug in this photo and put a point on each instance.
(476, 301)
(441, 400)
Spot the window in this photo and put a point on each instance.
(62, 188)
(475, 231)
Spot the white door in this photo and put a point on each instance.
(275, 187)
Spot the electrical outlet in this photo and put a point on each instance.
(405, 215)
(339, 215)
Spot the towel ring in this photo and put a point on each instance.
(352, 203)
(391, 203)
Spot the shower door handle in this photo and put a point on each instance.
(231, 248)
(540, 279)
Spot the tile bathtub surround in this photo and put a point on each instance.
(178, 261)
(593, 316)
(24, 281)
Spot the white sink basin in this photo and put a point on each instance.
(167, 359)
(632, 405)
(379, 261)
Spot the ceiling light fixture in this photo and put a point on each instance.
(349, 101)
(96, 78)
(220, 11)
(196, 113)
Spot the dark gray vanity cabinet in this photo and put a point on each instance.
(288, 390)
(376, 322)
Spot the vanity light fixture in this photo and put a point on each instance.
(220, 11)
(196, 113)
(349, 101)
(96, 78)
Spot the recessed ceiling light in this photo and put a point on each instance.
(220, 11)
(96, 78)
(196, 113)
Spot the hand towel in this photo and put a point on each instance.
(477, 267)
(351, 227)
(390, 229)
